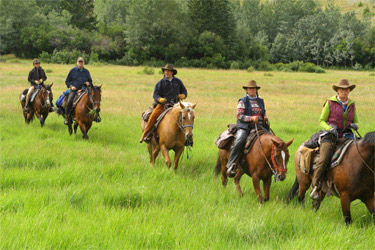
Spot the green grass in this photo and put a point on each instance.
(59, 191)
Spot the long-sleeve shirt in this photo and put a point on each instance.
(36, 74)
(169, 89)
(324, 116)
(77, 78)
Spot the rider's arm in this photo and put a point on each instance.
(30, 78)
(183, 89)
(89, 78)
(43, 75)
(323, 120)
(157, 91)
(69, 79)
(241, 112)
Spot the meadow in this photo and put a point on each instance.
(59, 191)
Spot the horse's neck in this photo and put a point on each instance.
(367, 152)
(174, 116)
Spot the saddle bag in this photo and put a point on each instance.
(146, 115)
(224, 140)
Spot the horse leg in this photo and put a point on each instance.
(38, 115)
(237, 179)
(224, 176)
(82, 126)
(70, 128)
(155, 153)
(304, 184)
(266, 188)
(370, 204)
(345, 205)
(75, 127)
(316, 204)
(293, 191)
(165, 153)
(177, 156)
(256, 183)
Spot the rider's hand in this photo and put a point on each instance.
(87, 84)
(40, 80)
(73, 88)
(36, 81)
(265, 118)
(162, 100)
(255, 118)
(181, 96)
(334, 132)
(353, 126)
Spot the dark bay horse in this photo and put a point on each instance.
(173, 132)
(274, 150)
(40, 106)
(86, 111)
(354, 177)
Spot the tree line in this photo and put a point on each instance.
(189, 33)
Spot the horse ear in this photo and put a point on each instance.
(182, 105)
(276, 143)
(290, 142)
(100, 86)
(51, 85)
(194, 105)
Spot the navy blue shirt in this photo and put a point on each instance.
(77, 78)
(169, 89)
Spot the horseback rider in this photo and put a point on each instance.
(250, 110)
(36, 78)
(337, 118)
(78, 78)
(168, 91)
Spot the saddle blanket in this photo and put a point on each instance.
(309, 157)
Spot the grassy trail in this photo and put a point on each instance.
(58, 191)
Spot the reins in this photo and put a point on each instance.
(272, 156)
(360, 156)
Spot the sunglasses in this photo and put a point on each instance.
(81, 61)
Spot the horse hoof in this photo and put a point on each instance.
(348, 221)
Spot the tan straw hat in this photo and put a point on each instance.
(343, 84)
(251, 84)
(170, 68)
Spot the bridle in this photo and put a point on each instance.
(91, 100)
(274, 168)
(180, 124)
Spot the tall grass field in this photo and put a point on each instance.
(62, 192)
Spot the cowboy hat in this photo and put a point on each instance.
(170, 68)
(343, 84)
(251, 84)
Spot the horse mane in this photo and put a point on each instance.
(369, 138)
(188, 106)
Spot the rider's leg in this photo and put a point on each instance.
(237, 149)
(151, 121)
(28, 96)
(321, 167)
(68, 106)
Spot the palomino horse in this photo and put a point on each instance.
(87, 111)
(173, 132)
(267, 148)
(354, 177)
(41, 105)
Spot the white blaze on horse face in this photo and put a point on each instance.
(283, 155)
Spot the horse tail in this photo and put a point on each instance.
(218, 165)
(293, 191)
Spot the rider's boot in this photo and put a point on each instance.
(28, 96)
(236, 151)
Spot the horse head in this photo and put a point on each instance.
(47, 96)
(280, 158)
(97, 96)
(186, 120)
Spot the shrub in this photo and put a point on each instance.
(357, 66)
(372, 74)
(234, 65)
(285, 69)
(319, 70)
(307, 67)
(250, 69)
(13, 61)
(279, 66)
(360, 4)
(267, 74)
(94, 57)
(265, 66)
(147, 71)
(294, 66)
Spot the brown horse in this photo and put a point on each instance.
(257, 164)
(40, 106)
(173, 133)
(87, 111)
(354, 177)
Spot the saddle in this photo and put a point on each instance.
(77, 98)
(146, 116)
(226, 139)
(33, 95)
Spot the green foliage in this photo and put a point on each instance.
(147, 71)
(234, 65)
(265, 66)
(319, 70)
(360, 4)
(250, 69)
(63, 57)
(268, 74)
(307, 67)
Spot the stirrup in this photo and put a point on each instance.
(315, 194)
(230, 172)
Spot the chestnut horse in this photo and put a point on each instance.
(354, 177)
(86, 111)
(173, 133)
(40, 106)
(267, 148)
